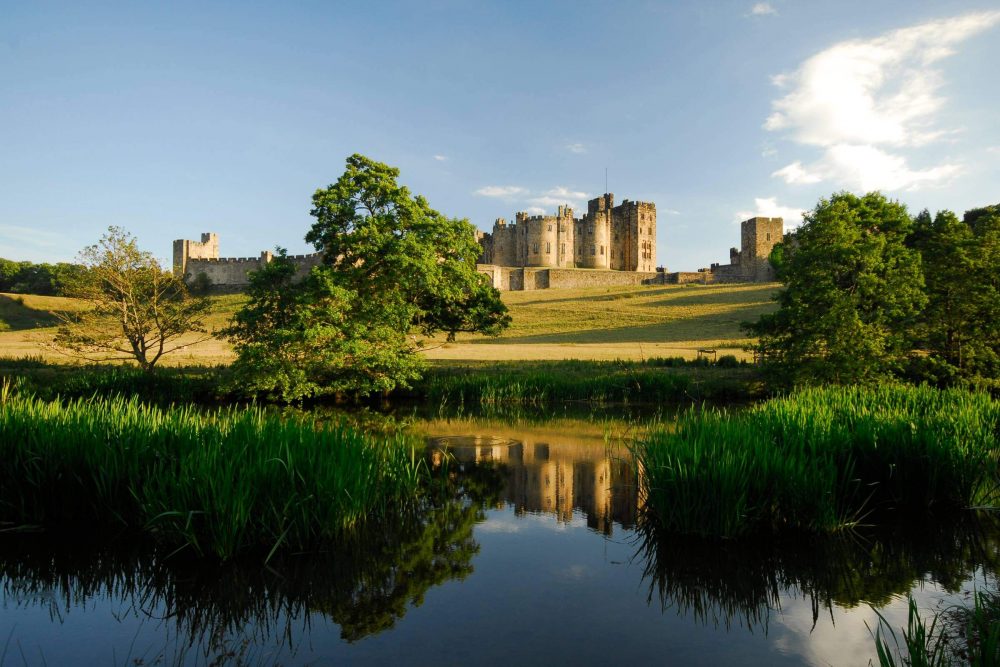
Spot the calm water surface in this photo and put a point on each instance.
(534, 554)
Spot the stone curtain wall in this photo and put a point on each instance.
(192, 258)
(508, 278)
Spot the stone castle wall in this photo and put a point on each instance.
(192, 258)
(515, 278)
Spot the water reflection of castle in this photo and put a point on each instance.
(557, 479)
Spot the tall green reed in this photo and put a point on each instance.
(220, 482)
(821, 459)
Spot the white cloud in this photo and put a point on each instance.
(558, 196)
(770, 151)
(535, 210)
(500, 191)
(440, 158)
(576, 148)
(768, 207)
(859, 98)
(866, 168)
(669, 211)
(993, 149)
(763, 9)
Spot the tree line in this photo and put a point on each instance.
(872, 293)
(29, 278)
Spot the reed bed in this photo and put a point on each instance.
(597, 382)
(822, 460)
(219, 483)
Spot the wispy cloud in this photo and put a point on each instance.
(768, 207)
(669, 211)
(576, 148)
(763, 9)
(860, 99)
(558, 196)
(500, 191)
(440, 158)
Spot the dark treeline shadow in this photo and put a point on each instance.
(364, 585)
(740, 582)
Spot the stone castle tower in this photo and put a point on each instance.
(619, 237)
(758, 236)
(184, 250)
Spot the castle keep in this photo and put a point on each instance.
(618, 238)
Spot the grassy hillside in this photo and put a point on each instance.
(591, 323)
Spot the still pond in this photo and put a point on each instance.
(533, 554)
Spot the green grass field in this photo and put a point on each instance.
(592, 323)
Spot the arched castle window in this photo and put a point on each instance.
(534, 248)
(550, 228)
(602, 250)
(593, 250)
(548, 248)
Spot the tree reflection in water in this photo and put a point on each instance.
(364, 586)
(743, 581)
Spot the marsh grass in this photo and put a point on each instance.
(219, 483)
(597, 382)
(954, 636)
(822, 460)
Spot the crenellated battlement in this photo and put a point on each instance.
(193, 258)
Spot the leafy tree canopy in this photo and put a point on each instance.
(853, 291)
(386, 245)
(393, 268)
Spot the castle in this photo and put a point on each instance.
(616, 243)
(619, 238)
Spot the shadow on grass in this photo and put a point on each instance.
(714, 326)
(16, 316)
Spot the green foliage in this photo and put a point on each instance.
(137, 311)
(820, 459)
(201, 285)
(392, 268)
(960, 328)
(303, 338)
(389, 246)
(955, 636)
(41, 279)
(219, 483)
(597, 382)
(852, 293)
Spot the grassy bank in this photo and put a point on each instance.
(219, 483)
(597, 382)
(822, 459)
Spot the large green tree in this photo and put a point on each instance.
(394, 271)
(853, 291)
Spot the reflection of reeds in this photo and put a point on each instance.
(726, 582)
(219, 483)
(821, 459)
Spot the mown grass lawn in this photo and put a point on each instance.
(590, 323)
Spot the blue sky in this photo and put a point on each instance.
(171, 119)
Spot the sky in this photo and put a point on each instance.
(172, 119)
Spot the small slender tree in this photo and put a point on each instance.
(137, 311)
